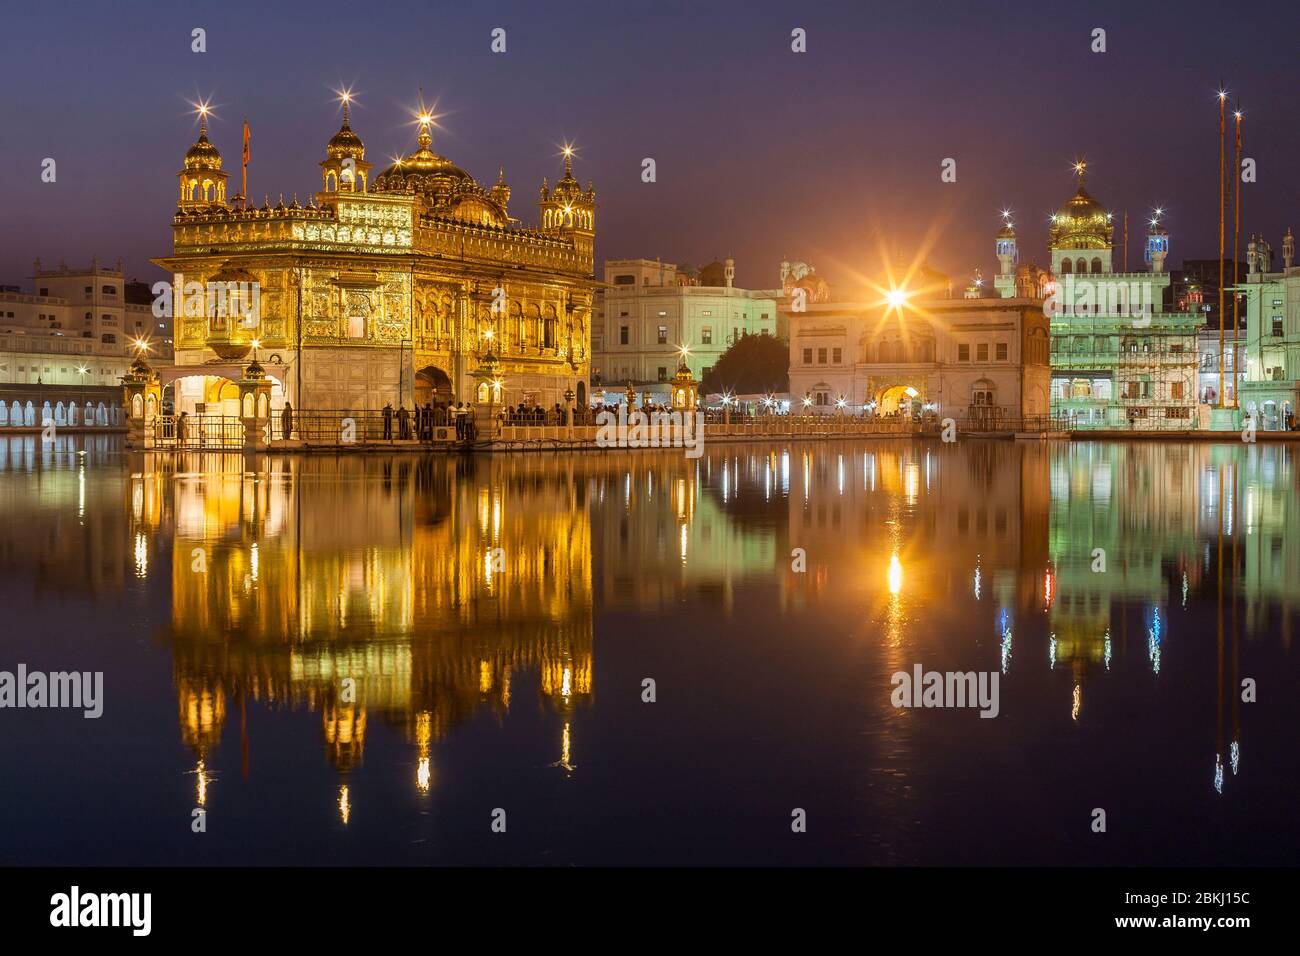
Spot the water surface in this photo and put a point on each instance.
(228, 606)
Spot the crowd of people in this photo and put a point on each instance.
(421, 422)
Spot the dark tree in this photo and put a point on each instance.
(755, 364)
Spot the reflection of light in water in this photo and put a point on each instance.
(1006, 650)
(81, 490)
(726, 483)
(1047, 588)
(683, 541)
(1184, 589)
(1078, 702)
(253, 562)
(627, 488)
(1153, 641)
(566, 682)
(868, 472)
(566, 749)
(141, 555)
(839, 473)
(977, 579)
(1218, 774)
(345, 804)
(484, 677)
(1106, 649)
(423, 735)
(1250, 509)
(912, 483)
(1051, 653)
(785, 473)
(1234, 754)
(895, 574)
(201, 783)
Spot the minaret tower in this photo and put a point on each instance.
(202, 182)
(344, 168)
(1157, 243)
(1288, 249)
(1008, 254)
(501, 192)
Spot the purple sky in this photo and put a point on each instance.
(761, 152)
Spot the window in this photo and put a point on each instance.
(108, 290)
(622, 335)
(90, 289)
(807, 356)
(624, 280)
(821, 356)
(1277, 325)
(663, 334)
(963, 353)
(706, 312)
(663, 374)
(706, 335)
(1176, 390)
(1002, 351)
(836, 356)
(108, 338)
(662, 313)
(982, 352)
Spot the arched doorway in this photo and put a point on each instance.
(582, 395)
(901, 400)
(432, 384)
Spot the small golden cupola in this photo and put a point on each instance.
(202, 182)
(567, 206)
(344, 168)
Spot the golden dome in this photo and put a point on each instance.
(1081, 223)
(345, 143)
(423, 171)
(1007, 231)
(202, 155)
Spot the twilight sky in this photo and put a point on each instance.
(761, 152)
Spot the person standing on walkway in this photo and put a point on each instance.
(404, 422)
(388, 422)
(286, 421)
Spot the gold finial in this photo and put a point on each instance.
(568, 159)
(203, 109)
(501, 175)
(1081, 169)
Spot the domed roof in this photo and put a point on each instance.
(1007, 231)
(1081, 223)
(202, 155)
(423, 171)
(345, 143)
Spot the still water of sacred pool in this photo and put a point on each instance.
(648, 658)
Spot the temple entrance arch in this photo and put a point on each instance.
(432, 384)
(904, 400)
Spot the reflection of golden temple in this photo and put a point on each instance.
(275, 599)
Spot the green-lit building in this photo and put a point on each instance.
(1271, 389)
(1119, 358)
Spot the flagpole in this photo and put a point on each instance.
(1236, 254)
(1222, 203)
(245, 158)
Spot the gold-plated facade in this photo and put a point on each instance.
(384, 289)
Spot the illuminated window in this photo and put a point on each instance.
(356, 326)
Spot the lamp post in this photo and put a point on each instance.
(81, 370)
(569, 395)
(1222, 202)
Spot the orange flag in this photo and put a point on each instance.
(246, 139)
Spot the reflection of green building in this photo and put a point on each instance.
(1268, 502)
(1272, 386)
(1119, 360)
(1132, 510)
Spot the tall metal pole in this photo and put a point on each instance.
(1222, 204)
(1236, 245)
